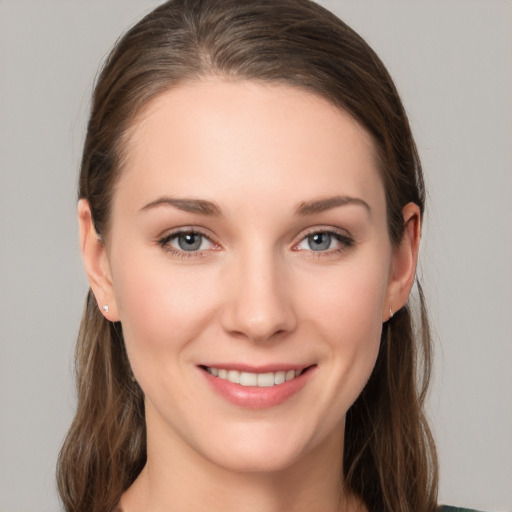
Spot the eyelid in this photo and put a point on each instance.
(169, 233)
(164, 241)
(341, 236)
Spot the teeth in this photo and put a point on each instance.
(262, 380)
(248, 379)
(234, 376)
(266, 380)
(280, 377)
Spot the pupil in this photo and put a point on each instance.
(319, 241)
(189, 241)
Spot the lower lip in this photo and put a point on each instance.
(254, 397)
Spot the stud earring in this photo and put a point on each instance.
(105, 308)
(390, 313)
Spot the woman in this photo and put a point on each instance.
(250, 215)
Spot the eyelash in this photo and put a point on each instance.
(345, 241)
(165, 243)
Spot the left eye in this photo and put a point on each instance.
(188, 241)
(322, 241)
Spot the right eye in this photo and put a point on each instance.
(186, 242)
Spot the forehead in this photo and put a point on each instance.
(224, 140)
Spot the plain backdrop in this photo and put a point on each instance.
(452, 62)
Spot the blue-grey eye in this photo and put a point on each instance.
(189, 241)
(319, 241)
(186, 241)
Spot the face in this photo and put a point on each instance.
(250, 265)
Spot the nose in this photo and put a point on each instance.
(259, 305)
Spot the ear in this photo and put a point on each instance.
(405, 258)
(96, 263)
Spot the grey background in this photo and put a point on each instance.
(452, 62)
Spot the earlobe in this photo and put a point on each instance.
(96, 263)
(405, 257)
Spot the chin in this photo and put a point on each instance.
(262, 449)
(260, 461)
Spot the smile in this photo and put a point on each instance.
(262, 380)
(257, 388)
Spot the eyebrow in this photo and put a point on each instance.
(200, 206)
(328, 203)
(209, 208)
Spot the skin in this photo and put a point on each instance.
(256, 293)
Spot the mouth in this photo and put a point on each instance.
(257, 387)
(252, 379)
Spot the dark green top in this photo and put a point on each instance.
(445, 508)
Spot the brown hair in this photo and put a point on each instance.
(389, 455)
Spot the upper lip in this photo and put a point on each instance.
(267, 368)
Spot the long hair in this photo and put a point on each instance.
(389, 455)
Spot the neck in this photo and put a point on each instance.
(178, 478)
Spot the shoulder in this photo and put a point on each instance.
(446, 508)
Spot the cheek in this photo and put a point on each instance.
(160, 310)
(351, 298)
(349, 316)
